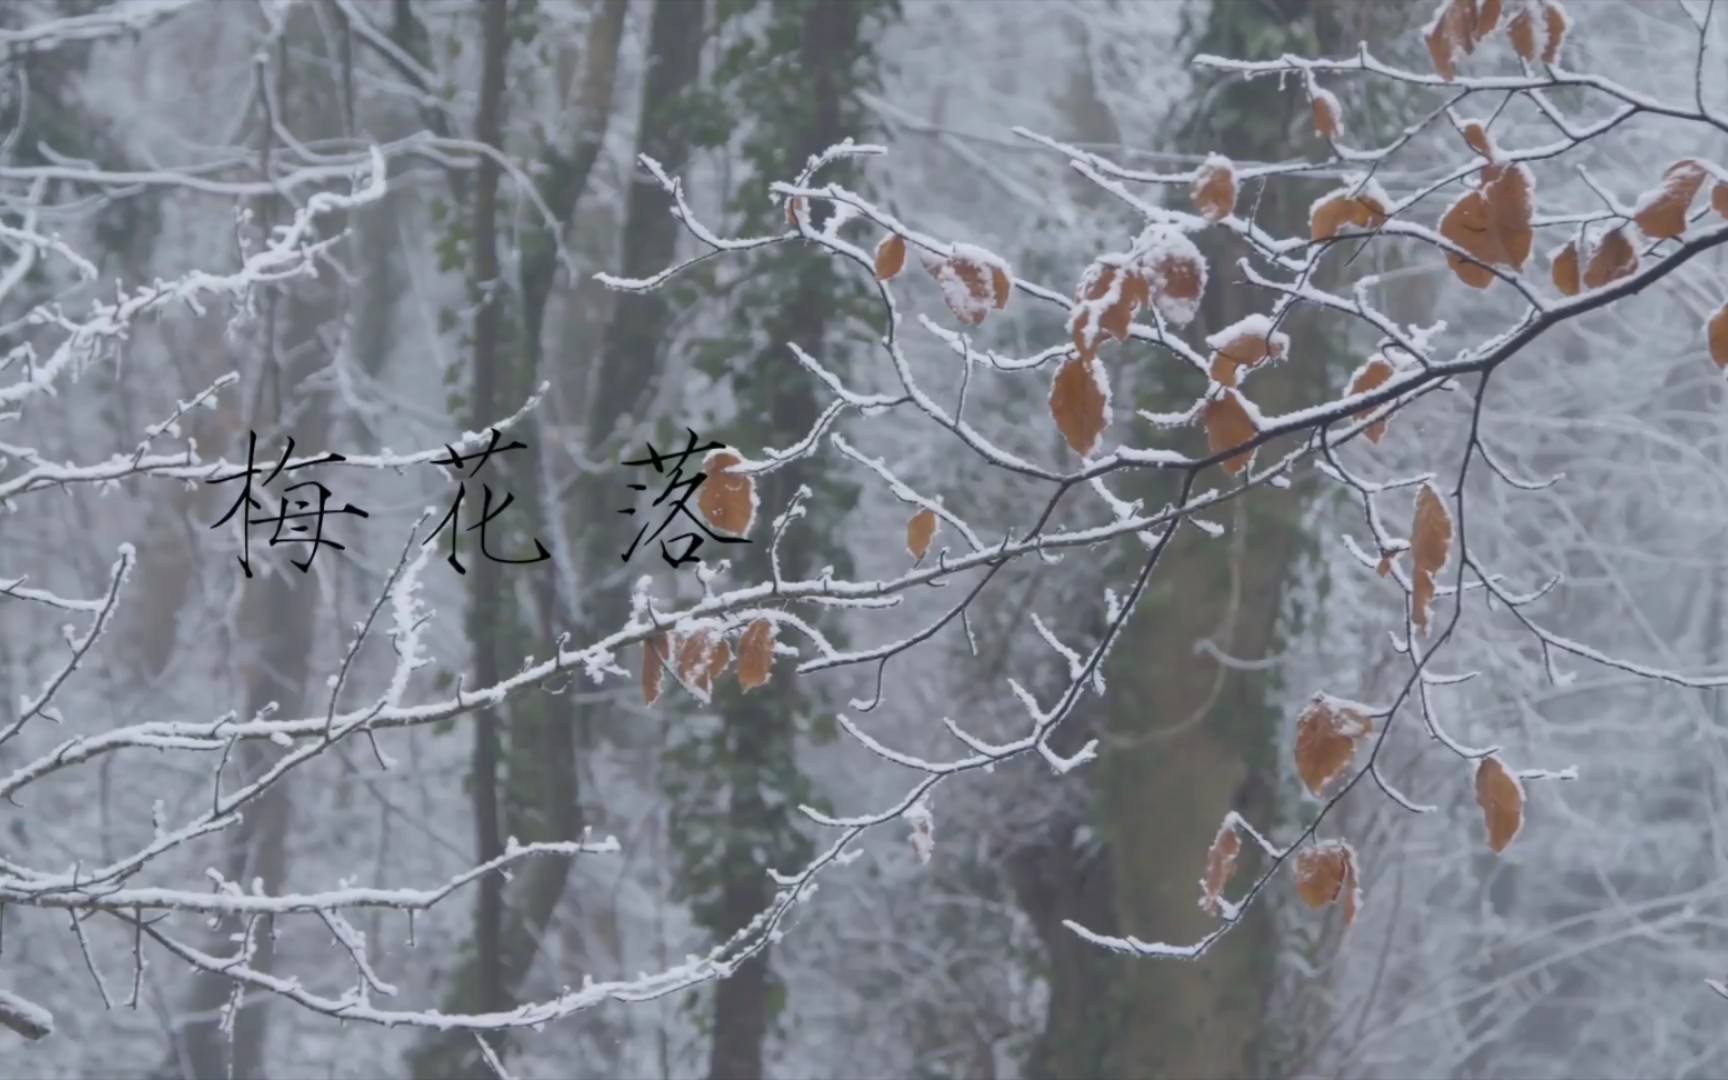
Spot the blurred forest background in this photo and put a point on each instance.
(512, 131)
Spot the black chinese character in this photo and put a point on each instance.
(676, 483)
(284, 516)
(486, 512)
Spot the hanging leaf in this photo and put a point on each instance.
(1094, 286)
(1566, 269)
(1613, 259)
(719, 659)
(1220, 866)
(756, 654)
(795, 209)
(1487, 18)
(1329, 214)
(696, 660)
(1326, 739)
(1175, 280)
(1510, 211)
(1717, 333)
(890, 256)
(1719, 198)
(1661, 214)
(1468, 224)
(1080, 402)
(1501, 798)
(655, 652)
(1477, 138)
(727, 499)
(1327, 116)
(1371, 376)
(920, 531)
(1229, 425)
(1555, 23)
(1430, 545)
(965, 288)
(1326, 872)
(1000, 285)
(1214, 189)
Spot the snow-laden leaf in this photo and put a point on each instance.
(1467, 223)
(1214, 190)
(1326, 872)
(655, 652)
(1326, 738)
(1501, 798)
(1328, 117)
(1614, 257)
(1661, 214)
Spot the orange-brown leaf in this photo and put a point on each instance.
(1476, 137)
(756, 654)
(794, 208)
(1326, 741)
(1331, 214)
(1487, 18)
(1430, 545)
(727, 499)
(1522, 31)
(1719, 197)
(1080, 402)
(1214, 189)
(719, 659)
(920, 531)
(1322, 871)
(695, 660)
(1509, 212)
(1613, 259)
(966, 289)
(1502, 801)
(1367, 211)
(1227, 426)
(1566, 269)
(1117, 317)
(1554, 24)
(1326, 118)
(1717, 333)
(1223, 370)
(1372, 376)
(654, 654)
(1000, 285)
(1662, 215)
(890, 256)
(1220, 866)
(1443, 42)
(1468, 224)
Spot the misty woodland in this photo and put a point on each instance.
(863, 538)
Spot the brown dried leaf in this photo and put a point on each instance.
(1443, 42)
(1385, 566)
(1351, 891)
(1326, 741)
(890, 256)
(1487, 18)
(1326, 119)
(1183, 279)
(1502, 802)
(719, 659)
(1717, 333)
(1509, 212)
(920, 531)
(1719, 197)
(1555, 23)
(1663, 216)
(1214, 189)
(1321, 872)
(756, 654)
(1228, 425)
(1368, 211)
(1476, 137)
(794, 209)
(1001, 285)
(1430, 545)
(1331, 214)
(654, 654)
(1467, 224)
(971, 305)
(695, 660)
(1220, 866)
(1522, 31)
(1117, 317)
(1136, 290)
(1372, 376)
(1566, 269)
(1223, 370)
(1080, 402)
(1613, 259)
(727, 500)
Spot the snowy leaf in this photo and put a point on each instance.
(1477, 138)
(890, 256)
(727, 499)
(700, 662)
(1329, 214)
(1326, 872)
(1220, 866)
(1487, 18)
(1661, 214)
(1719, 198)
(1430, 545)
(1522, 31)
(1555, 23)
(1370, 376)
(1326, 738)
(1214, 189)
(756, 654)
(1328, 118)
(1716, 331)
(1080, 402)
(1467, 224)
(965, 289)
(1228, 425)
(1175, 273)
(1566, 269)
(1509, 212)
(1501, 798)
(923, 830)
(1613, 258)
(1002, 285)
(795, 208)
(1448, 33)
(920, 531)
(655, 652)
